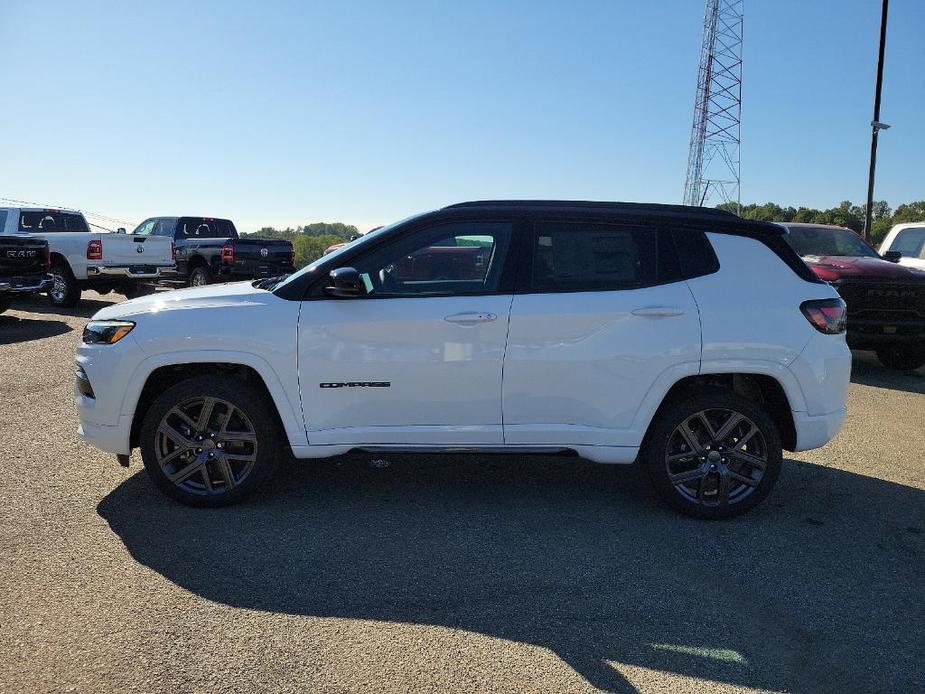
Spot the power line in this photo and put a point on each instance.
(86, 213)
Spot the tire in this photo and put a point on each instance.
(694, 482)
(902, 359)
(200, 276)
(65, 293)
(204, 480)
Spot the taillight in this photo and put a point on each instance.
(173, 250)
(292, 256)
(95, 250)
(826, 315)
(228, 254)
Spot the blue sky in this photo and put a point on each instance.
(364, 112)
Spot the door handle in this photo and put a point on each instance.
(471, 318)
(658, 311)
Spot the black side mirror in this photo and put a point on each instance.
(892, 256)
(345, 283)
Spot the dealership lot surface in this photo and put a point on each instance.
(452, 574)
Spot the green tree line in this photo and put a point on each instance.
(311, 240)
(845, 214)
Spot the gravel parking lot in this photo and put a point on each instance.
(446, 574)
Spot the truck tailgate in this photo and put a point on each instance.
(262, 252)
(22, 255)
(129, 249)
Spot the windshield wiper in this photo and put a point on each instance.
(269, 283)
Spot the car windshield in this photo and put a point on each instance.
(333, 255)
(828, 241)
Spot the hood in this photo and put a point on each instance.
(212, 296)
(836, 267)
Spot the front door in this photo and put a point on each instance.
(416, 358)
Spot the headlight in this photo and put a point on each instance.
(106, 331)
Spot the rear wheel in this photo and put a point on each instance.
(64, 292)
(902, 359)
(210, 441)
(200, 276)
(715, 454)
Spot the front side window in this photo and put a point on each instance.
(146, 228)
(569, 256)
(910, 242)
(46, 222)
(450, 259)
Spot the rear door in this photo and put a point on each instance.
(417, 358)
(598, 317)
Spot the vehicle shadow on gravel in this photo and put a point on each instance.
(14, 329)
(818, 589)
(866, 370)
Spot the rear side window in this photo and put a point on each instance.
(570, 256)
(910, 242)
(47, 222)
(205, 228)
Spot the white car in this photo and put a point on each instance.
(909, 240)
(685, 337)
(82, 259)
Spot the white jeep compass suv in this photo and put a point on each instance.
(686, 338)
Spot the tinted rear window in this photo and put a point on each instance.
(52, 221)
(205, 228)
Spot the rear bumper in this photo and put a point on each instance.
(25, 285)
(814, 431)
(139, 272)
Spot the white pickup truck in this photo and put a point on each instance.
(83, 259)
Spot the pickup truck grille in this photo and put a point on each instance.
(870, 299)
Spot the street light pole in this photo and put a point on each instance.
(875, 125)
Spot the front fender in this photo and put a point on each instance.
(289, 411)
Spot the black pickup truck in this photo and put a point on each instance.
(209, 250)
(24, 263)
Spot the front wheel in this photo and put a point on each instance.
(901, 359)
(715, 454)
(210, 441)
(65, 291)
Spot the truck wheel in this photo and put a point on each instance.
(64, 292)
(715, 454)
(908, 359)
(200, 276)
(210, 441)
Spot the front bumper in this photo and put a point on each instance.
(137, 272)
(111, 439)
(25, 285)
